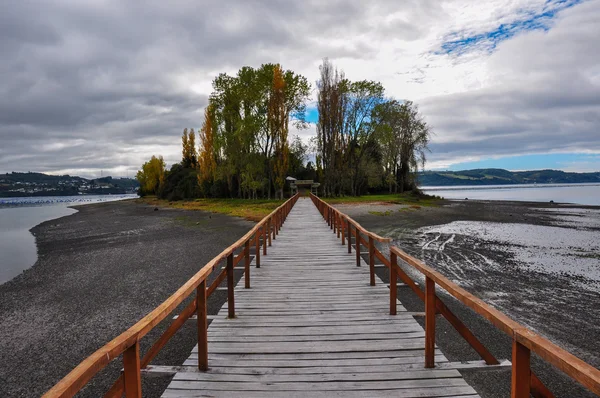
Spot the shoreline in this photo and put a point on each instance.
(554, 305)
(77, 297)
(98, 272)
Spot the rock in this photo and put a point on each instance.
(466, 198)
(551, 201)
(156, 209)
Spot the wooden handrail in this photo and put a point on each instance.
(524, 381)
(356, 225)
(128, 341)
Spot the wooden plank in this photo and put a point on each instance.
(317, 377)
(332, 368)
(331, 364)
(321, 386)
(426, 392)
(224, 338)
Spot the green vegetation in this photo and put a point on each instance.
(382, 213)
(407, 198)
(502, 177)
(366, 142)
(250, 209)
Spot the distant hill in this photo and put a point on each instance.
(39, 184)
(504, 177)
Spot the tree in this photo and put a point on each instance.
(278, 125)
(189, 157)
(363, 98)
(207, 164)
(331, 105)
(403, 137)
(151, 176)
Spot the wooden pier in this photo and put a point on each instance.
(311, 325)
(312, 318)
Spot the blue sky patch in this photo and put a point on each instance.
(559, 161)
(489, 40)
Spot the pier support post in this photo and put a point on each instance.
(131, 371)
(429, 322)
(230, 286)
(257, 255)
(357, 238)
(202, 327)
(349, 236)
(247, 264)
(393, 282)
(372, 260)
(521, 372)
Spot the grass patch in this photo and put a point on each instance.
(254, 210)
(400, 199)
(381, 213)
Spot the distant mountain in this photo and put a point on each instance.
(504, 177)
(39, 184)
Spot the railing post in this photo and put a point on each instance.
(338, 223)
(131, 371)
(342, 228)
(357, 238)
(247, 264)
(521, 372)
(429, 322)
(202, 327)
(257, 255)
(393, 282)
(330, 219)
(275, 223)
(349, 236)
(230, 295)
(264, 231)
(269, 222)
(372, 261)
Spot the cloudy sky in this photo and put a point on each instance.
(99, 85)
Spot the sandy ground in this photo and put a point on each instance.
(561, 305)
(99, 271)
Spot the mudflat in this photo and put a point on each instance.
(537, 262)
(98, 272)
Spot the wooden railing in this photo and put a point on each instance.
(524, 381)
(128, 343)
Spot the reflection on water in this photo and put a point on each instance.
(583, 194)
(18, 215)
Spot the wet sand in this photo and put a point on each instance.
(561, 305)
(98, 272)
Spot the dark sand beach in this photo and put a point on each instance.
(105, 267)
(99, 271)
(561, 306)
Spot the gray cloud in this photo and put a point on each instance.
(103, 85)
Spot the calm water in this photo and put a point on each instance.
(18, 250)
(583, 194)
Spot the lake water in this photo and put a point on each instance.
(18, 250)
(583, 194)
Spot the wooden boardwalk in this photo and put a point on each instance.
(312, 326)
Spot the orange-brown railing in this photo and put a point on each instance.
(524, 381)
(128, 343)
